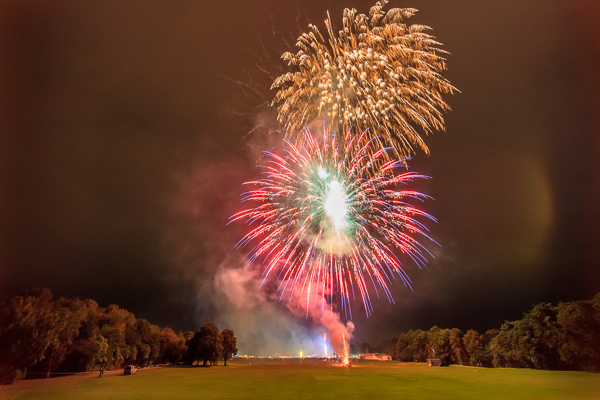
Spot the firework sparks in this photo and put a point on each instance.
(378, 72)
(331, 219)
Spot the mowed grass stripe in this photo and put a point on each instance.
(308, 379)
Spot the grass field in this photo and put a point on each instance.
(310, 379)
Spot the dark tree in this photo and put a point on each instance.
(28, 327)
(487, 338)
(565, 337)
(172, 346)
(188, 335)
(474, 347)
(206, 345)
(193, 353)
(439, 340)
(539, 337)
(70, 314)
(502, 347)
(85, 346)
(116, 352)
(229, 344)
(423, 346)
(148, 342)
(40, 334)
(459, 354)
(406, 346)
(580, 335)
(101, 356)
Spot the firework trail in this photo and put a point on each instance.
(377, 73)
(330, 219)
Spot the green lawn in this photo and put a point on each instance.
(310, 379)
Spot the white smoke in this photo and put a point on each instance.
(262, 325)
(315, 307)
(262, 321)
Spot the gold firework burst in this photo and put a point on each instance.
(377, 73)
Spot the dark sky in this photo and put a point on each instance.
(127, 128)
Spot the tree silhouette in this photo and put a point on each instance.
(206, 345)
(229, 344)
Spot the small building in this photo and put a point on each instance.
(376, 357)
(434, 362)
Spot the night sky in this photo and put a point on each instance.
(127, 129)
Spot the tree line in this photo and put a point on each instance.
(556, 337)
(43, 335)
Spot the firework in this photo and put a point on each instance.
(330, 219)
(378, 72)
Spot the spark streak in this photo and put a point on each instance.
(329, 219)
(378, 72)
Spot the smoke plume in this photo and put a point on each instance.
(262, 319)
(315, 306)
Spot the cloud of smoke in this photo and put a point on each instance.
(316, 307)
(262, 319)
(262, 323)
